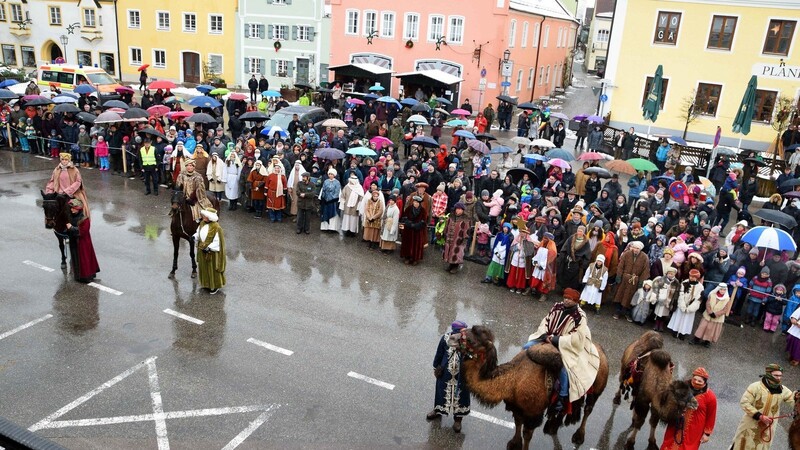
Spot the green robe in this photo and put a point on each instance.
(211, 263)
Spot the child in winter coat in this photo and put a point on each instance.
(678, 244)
(483, 237)
(760, 288)
(101, 152)
(496, 270)
(739, 282)
(495, 205)
(774, 308)
(791, 305)
(641, 302)
(53, 144)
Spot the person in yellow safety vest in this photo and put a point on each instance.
(147, 156)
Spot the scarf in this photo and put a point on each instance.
(610, 247)
(577, 244)
(356, 191)
(771, 383)
(279, 186)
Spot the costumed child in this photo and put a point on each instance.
(483, 237)
(502, 242)
(642, 299)
(760, 288)
(595, 280)
(665, 289)
(689, 301)
(519, 264)
(774, 307)
(791, 306)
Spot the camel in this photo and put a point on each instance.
(524, 384)
(794, 429)
(656, 392)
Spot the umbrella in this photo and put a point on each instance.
(756, 161)
(775, 216)
(464, 134)
(302, 85)
(527, 105)
(152, 132)
(409, 101)
(356, 101)
(7, 83)
(416, 118)
(271, 93)
(591, 156)
(791, 183)
(768, 237)
(543, 143)
(793, 147)
(380, 140)
(256, 116)
(559, 115)
(460, 112)
(86, 117)
(486, 136)
(180, 114)
(425, 141)
(705, 182)
(65, 94)
(158, 110)
(336, 123)
(653, 103)
(376, 88)
(174, 99)
(84, 89)
(444, 101)
(676, 140)
(561, 154)
(741, 123)
(500, 149)
(361, 151)
(521, 140)
(274, 129)
(108, 117)
(143, 67)
(507, 99)
(329, 153)
(66, 108)
(535, 157)
(39, 101)
(580, 117)
(721, 150)
(204, 101)
(655, 180)
(116, 104)
(371, 96)
(387, 99)
(161, 84)
(237, 96)
(124, 90)
(559, 163)
(595, 119)
(63, 99)
(621, 166)
(478, 146)
(792, 194)
(205, 89)
(601, 172)
(6, 94)
(220, 91)
(456, 123)
(136, 113)
(421, 107)
(119, 111)
(516, 175)
(643, 165)
(201, 118)
(442, 111)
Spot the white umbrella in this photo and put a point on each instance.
(336, 123)
(417, 118)
(543, 143)
(521, 140)
(108, 117)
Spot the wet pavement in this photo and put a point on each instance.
(284, 352)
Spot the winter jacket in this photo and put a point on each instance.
(636, 186)
(748, 191)
(661, 152)
(759, 289)
(595, 140)
(775, 305)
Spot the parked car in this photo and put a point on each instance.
(313, 114)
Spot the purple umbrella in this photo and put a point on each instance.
(329, 153)
(595, 119)
(478, 146)
(580, 117)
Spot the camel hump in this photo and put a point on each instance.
(546, 356)
(661, 358)
(647, 342)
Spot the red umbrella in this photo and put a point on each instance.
(158, 110)
(238, 96)
(180, 114)
(591, 156)
(380, 140)
(143, 67)
(124, 89)
(161, 84)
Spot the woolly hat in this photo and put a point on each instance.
(741, 271)
(458, 325)
(601, 258)
(694, 273)
(754, 251)
(716, 229)
(637, 244)
(441, 187)
(765, 270)
(701, 372)
(669, 251)
(484, 193)
(743, 223)
(781, 287)
(460, 206)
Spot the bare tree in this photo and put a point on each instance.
(689, 110)
(784, 112)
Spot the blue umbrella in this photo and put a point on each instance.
(270, 94)
(376, 88)
(425, 141)
(7, 83)
(274, 129)
(769, 237)
(68, 94)
(501, 149)
(444, 101)
(387, 99)
(409, 101)
(560, 153)
(63, 99)
(464, 134)
(84, 89)
(677, 140)
(6, 94)
(361, 151)
(329, 153)
(456, 123)
(371, 97)
(205, 89)
(535, 157)
(204, 102)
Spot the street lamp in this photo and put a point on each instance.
(64, 41)
(506, 72)
(506, 55)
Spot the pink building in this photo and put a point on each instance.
(455, 49)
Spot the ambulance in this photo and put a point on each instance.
(67, 76)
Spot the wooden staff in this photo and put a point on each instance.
(474, 239)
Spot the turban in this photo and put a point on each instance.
(572, 294)
(458, 325)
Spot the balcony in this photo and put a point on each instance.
(20, 29)
(91, 34)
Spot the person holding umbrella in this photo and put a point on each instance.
(143, 78)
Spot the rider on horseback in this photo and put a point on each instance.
(66, 180)
(566, 328)
(194, 189)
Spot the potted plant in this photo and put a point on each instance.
(287, 93)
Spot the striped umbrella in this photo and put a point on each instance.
(768, 237)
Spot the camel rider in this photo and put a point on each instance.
(194, 189)
(567, 329)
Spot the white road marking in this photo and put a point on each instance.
(269, 346)
(371, 380)
(158, 407)
(492, 419)
(150, 417)
(43, 157)
(249, 430)
(105, 288)
(38, 266)
(22, 327)
(184, 316)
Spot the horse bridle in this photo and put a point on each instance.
(54, 202)
(180, 214)
(463, 346)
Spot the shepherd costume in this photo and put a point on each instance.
(519, 264)
(689, 301)
(276, 193)
(500, 249)
(595, 280)
(763, 397)
(66, 180)
(82, 257)
(390, 227)
(632, 270)
(543, 279)
(194, 188)
(455, 233)
(666, 291)
(718, 306)
(373, 213)
(349, 202)
(641, 302)
(211, 252)
(573, 259)
(329, 203)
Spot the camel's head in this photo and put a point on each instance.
(675, 401)
(476, 343)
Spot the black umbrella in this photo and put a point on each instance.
(201, 118)
(84, 116)
(6, 94)
(516, 175)
(152, 132)
(791, 183)
(758, 162)
(115, 104)
(527, 105)
(42, 101)
(66, 108)
(254, 115)
(425, 141)
(601, 172)
(303, 86)
(507, 99)
(485, 136)
(324, 90)
(421, 107)
(775, 216)
(136, 113)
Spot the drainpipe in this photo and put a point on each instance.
(536, 64)
(574, 49)
(608, 52)
(119, 54)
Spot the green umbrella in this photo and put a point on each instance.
(653, 103)
(219, 91)
(741, 123)
(641, 164)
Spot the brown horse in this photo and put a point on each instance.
(653, 389)
(524, 384)
(183, 226)
(56, 217)
(794, 429)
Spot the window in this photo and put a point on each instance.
(108, 63)
(84, 58)
(351, 25)
(278, 2)
(765, 104)
(536, 29)
(55, 15)
(648, 83)
(159, 59)
(89, 18)
(303, 33)
(190, 22)
(28, 56)
(280, 32)
(667, 26)
(387, 25)
(215, 24)
(136, 56)
(530, 78)
(523, 42)
(512, 34)
(10, 54)
(519, 80)
(16, 13)
(558, 38)
(254, 65)
(546, 36)
(707, 98)
(134, 18)
(455, 34)
(254, 31)
(411, 27)
(281, 67)
(2, 12)
(602, 36)
(541, 75)
(547, 75)
(435, 27)
(370, 22)
(779, 37)
(215, 63)
(721, 35)
(162, 20)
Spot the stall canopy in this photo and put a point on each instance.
(428, 77)
(360, 70)
(357, 77)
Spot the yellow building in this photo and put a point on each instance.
(709, 49)
(187, 41)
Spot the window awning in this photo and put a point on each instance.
(421, 76)
(360, 70)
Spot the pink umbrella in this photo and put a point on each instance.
(28, 98)
(380, 140)
(591, 156)
(179, 114)
(356, 101)
(158, 110)
(237, 96)
(116, 110)
(124, 89)
(460, 112)
(558, 163)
